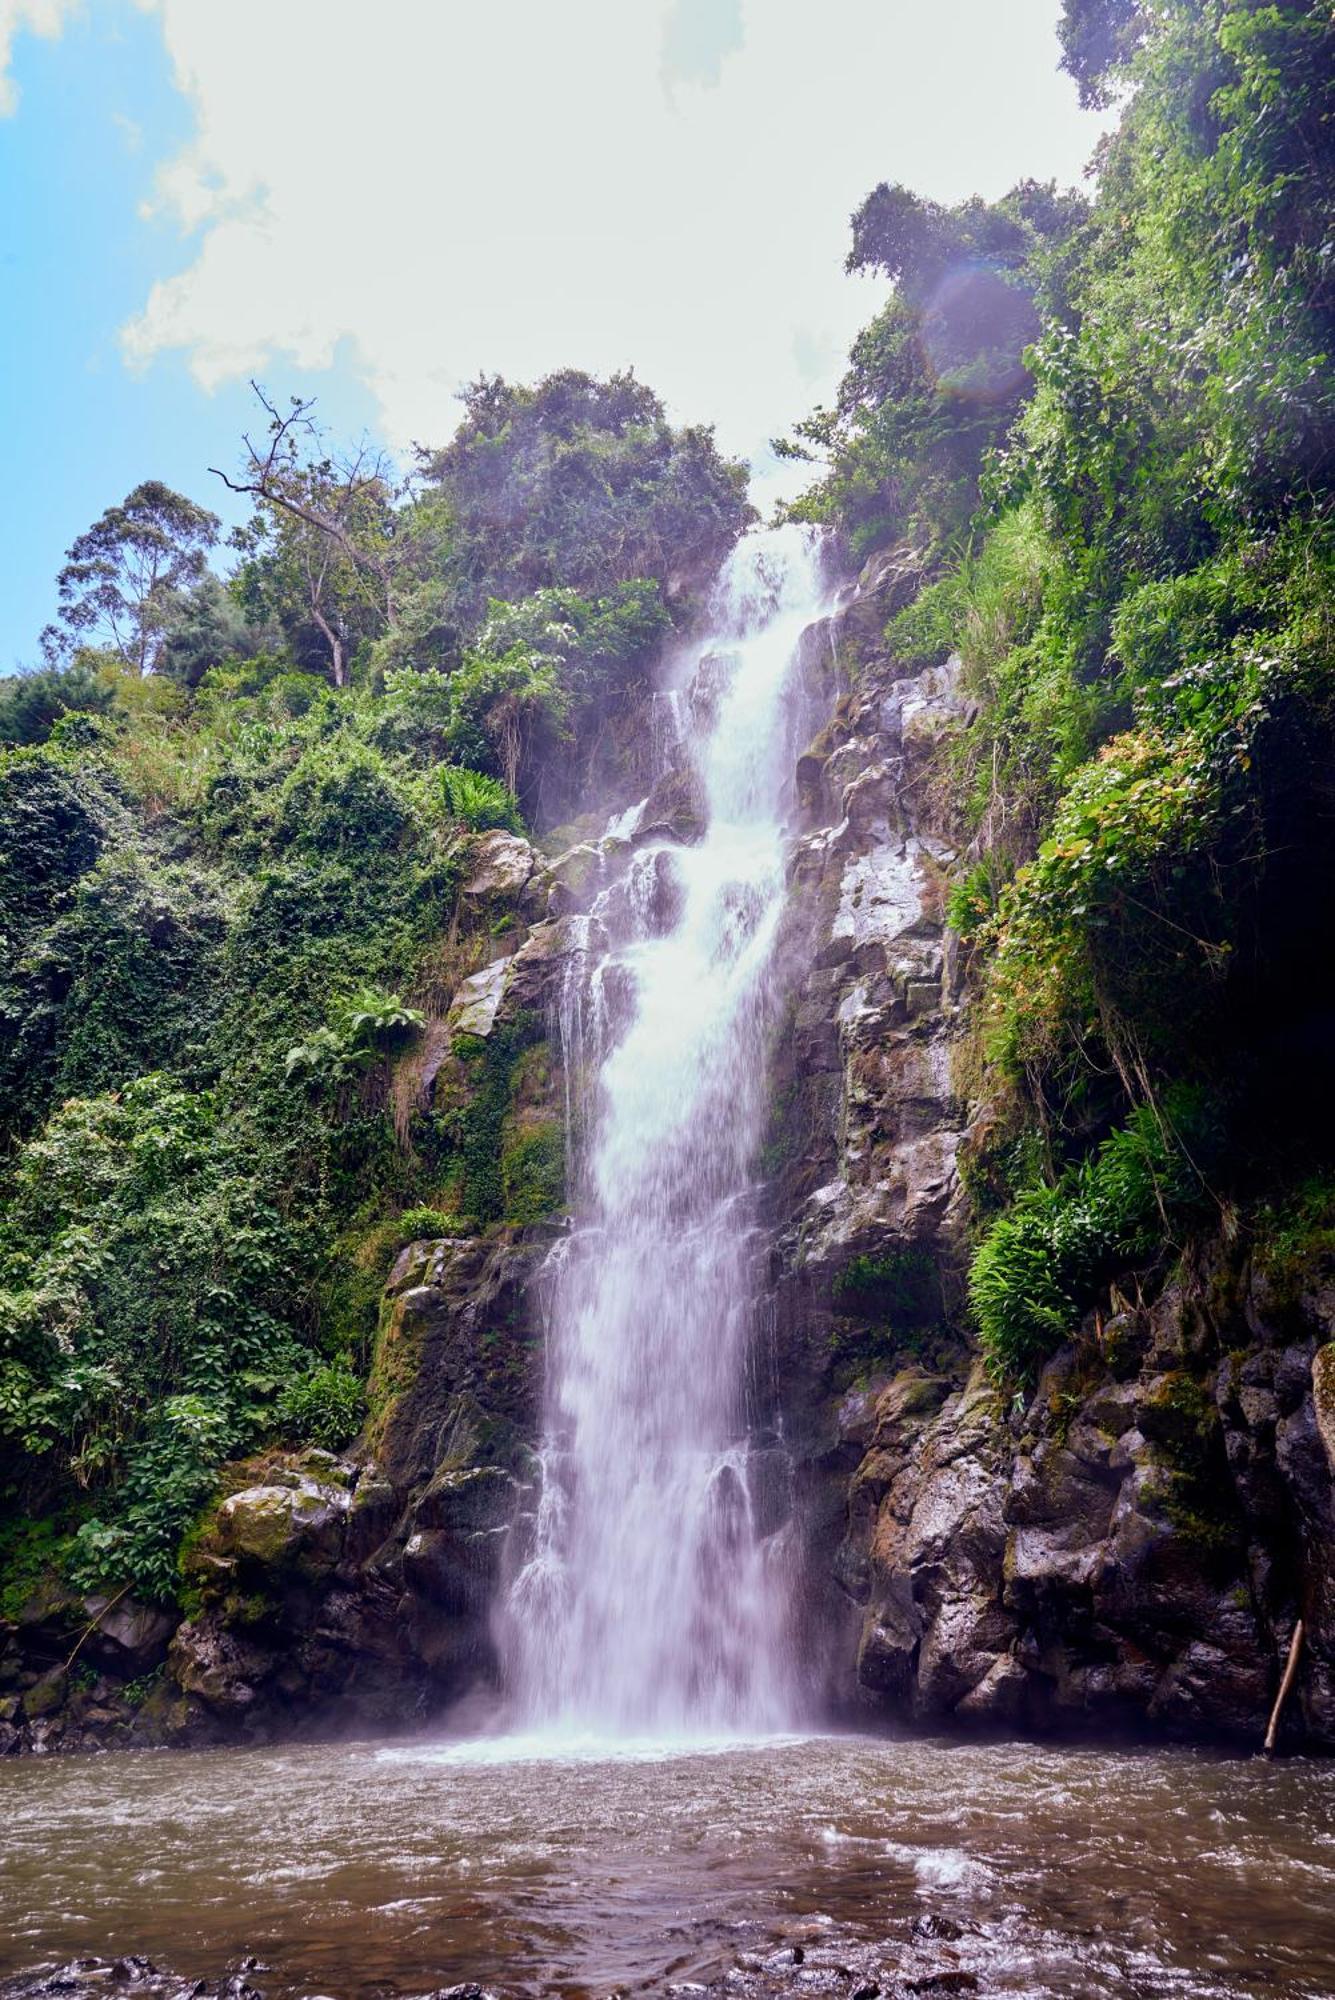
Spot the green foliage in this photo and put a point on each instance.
(137, 1691)
(579, 483)
(365, 1026)
(32, 704)
(170, 1476)
(508, 710)
(900, 1285)
(491, 1064)
(144, 1284)
(120, 982)
(340, 799)
(935, 381)
(478, 802)
(533, 1174)
(544, 675)
(208, 627)
(1099, 37)
(325, 1407)
(971, 904)
(1295, 1236)
(417, 1225)
(32, 1552)
(1041, 1264)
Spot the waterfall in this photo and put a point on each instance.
(652, 1593)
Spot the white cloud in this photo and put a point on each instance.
(37, 17)
(432, 188)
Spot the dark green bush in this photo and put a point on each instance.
(1041, 1264)
(477, 801)
(31, 705)
(324, 1407)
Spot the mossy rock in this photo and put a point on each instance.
(47, 1696)
(1179, 1414)
(533, 1173)
(293, 1520)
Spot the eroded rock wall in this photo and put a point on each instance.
(1129, 1545)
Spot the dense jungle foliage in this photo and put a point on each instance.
(233, 819)
(1118, 473)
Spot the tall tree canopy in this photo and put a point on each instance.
(124, 577)
(581, 483)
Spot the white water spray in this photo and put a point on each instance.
(652, 1597)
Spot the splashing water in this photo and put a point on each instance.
(654, 1594)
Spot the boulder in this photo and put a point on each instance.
(498, 865)
(477, 1002)
(128, 1637)
(295, 1520)
(221, 1667)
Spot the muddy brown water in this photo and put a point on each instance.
(385, 1869)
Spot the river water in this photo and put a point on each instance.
(384, 1869)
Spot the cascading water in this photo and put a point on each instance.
(651, 1598)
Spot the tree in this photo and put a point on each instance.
(1099, 37)
(124, 578)
(935, 381)
(32, 704)
(579, 483)
(209, 628)
(324, 544)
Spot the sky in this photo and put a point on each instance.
(373, 201)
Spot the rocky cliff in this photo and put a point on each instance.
(1125, 1545)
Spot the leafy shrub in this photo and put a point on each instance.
(363, 1027)
(971, 903)
(170, 1476)
(417, 1225)
(324, 1407)
(341, 799)
(1040, 1265)
(478, 801)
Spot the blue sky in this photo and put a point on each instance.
(371, 203)
(97, 110)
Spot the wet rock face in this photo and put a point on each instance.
(1126, 1547)
(864, 1199)
(1112, 1553)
